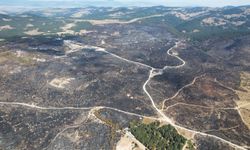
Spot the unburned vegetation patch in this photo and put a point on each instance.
(154, 136)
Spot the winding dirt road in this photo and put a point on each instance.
(152, 73)
(167, 119)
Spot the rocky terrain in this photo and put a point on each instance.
(77, 78)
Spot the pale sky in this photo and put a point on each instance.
(81, 3)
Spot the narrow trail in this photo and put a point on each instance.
(193, 105)
(223, 129)
(167, 119)
(33, 106)
(45, 108)
(169, 52)
(124, 59)
(178, 92)
(229, 88)
(84, 122)
(100, 49)
(238, 106)
(151, 75)
(154, 72)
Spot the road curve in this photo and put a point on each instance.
(154, 72)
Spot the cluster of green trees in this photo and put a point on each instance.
(155, 137)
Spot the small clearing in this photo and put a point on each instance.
(61, 82)
(128, 142)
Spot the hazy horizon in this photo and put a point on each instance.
(121, 3)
